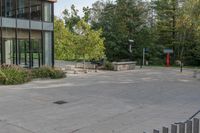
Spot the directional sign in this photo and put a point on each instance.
(146, 50)
(168, 51)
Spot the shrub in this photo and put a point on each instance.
(47, 72)
(13, 75)
(57, 74)
(108, 66)
(42, 72)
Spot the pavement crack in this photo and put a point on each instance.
(15, 125)
(116, 115)
(74, 131)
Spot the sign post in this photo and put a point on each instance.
(144, 51)
(131, 42)
(143, 55)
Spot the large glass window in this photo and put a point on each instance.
(0, 48)
(36, 48)
(0, 7)
(47, 12)
(48, 48)
(9, 46)
(23, 9)
(8, 8)
(23, 47)
(36, 9)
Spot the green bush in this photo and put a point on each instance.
(42, 72)
(13, 75)
(47, 72)
(108, 66)
(57, 74)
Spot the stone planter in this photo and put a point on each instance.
(122, 66)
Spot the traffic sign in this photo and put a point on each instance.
(168, 51)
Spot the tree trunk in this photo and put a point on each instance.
(84, 62)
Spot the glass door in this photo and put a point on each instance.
(36, 48)
(36, 53)
(23, 53)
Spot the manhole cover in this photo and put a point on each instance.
(60, 102)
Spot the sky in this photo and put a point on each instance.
(66, 4)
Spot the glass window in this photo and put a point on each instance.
(23, 47)
(0, 7)
(47, 12)
(8, 8)
(0, 48)
(36, 9)
(8, 46)
(48, 48)
(36, 48)
(23, 9)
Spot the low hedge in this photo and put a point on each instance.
(13, 75)
(47, 72)
(108, 66)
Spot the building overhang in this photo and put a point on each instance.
(52, 1)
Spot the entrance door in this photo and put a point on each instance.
(36, 53)
(23, 53)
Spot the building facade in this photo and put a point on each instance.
(26, 32)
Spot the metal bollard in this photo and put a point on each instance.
(195, 73)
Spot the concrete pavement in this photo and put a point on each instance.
(104, 102)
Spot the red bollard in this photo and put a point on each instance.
(168, 60)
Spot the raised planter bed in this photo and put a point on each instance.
(122, 66)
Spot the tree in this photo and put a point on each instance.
(120, 22)
(89, 44)
(96, 11)
(71, 18)
(189, 32)
(166, 11)
(64, 46)
(83, 43)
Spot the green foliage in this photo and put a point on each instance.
(64, 41)
(88, 42)
(47, 72)
(12, 75)
(82, 43)
(166, 22)
(57, 74)
(121, 21)
(108, 66)
(187, 43)
(71, 18)
(155, 25)
(43, 72)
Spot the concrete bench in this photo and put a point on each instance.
(121, 66)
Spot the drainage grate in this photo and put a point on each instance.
(60, 102)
